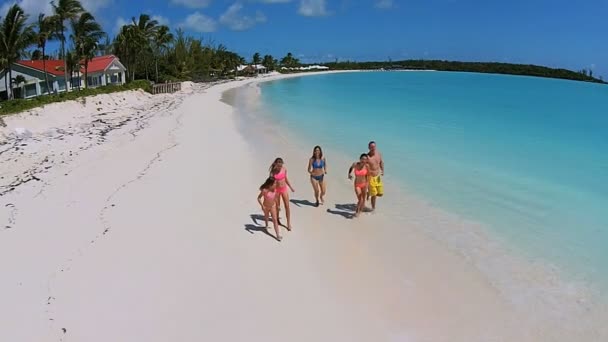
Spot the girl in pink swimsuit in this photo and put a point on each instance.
(361, 181)
(268, 201)
(279, 173)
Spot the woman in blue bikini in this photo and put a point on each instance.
(317, 168)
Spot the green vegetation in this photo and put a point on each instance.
(15, 36)
(64, 10)
(45, 31)
(20, 105)
(86, 34)
(153, 52)
(495, 68)
(148, 50)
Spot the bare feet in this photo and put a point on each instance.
(279, 238)
(289, 228)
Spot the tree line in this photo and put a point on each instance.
(148, 49)
(17, 34)
(481, 67)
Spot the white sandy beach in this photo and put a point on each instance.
(133, 218)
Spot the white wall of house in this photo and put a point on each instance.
(33, 85)
(115, 74)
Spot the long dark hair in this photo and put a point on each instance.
(361, 157)
(267, 184)
(272, 166)
(320, 152)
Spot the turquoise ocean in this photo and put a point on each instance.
(526, 158)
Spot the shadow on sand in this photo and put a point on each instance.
(347, 207)
(345, 210)
(300, 203)
(258, 226)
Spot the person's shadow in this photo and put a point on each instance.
(301, 203)
(345, 210)
(258, 226)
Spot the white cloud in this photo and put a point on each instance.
(199, 22)
(161, 20)
(31, 7)
(237, 21)
(192, 3)
(120, 22)
(91, 5)
(313, 8)
(35, 7)
(384, 4)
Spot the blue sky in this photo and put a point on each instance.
(556, 33)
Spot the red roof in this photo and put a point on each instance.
(55, 67)
(98, 64)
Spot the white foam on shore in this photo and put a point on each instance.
(551, 304)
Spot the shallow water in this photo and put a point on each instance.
(467, 166)
(525, 157)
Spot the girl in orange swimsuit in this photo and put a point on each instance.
(361, 181)
(268, 201)
(279, 173)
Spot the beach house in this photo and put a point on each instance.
(252, 69)
(103, 70)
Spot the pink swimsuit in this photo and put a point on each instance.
(279, 177)
(361, 173)
(269, 195)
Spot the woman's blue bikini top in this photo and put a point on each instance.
(318, 164)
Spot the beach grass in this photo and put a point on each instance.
(20, 105)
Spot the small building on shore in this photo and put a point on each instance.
(308, 68)
(253, 69)
(102, 71)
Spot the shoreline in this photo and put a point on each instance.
(537, 281)
(137, 236)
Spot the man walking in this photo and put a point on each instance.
(376, 169)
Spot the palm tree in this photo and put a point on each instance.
(86, 34)
(36, 55)
(72, 62)
(256, 58)
(15, 37)
(126, 45)
(65, 10)
(146, 29)
(4, 66)
(46, 26)
(106, 47)
(180, 56)
(162, 39)
(289, 60)
(268, 62)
